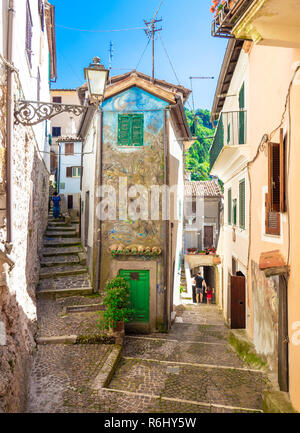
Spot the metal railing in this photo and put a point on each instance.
(231, 131)
(228, 16)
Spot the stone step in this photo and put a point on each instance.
(62, 234)
(72, 285)
(63, 228)
(60, 260)
(56, 271)
(228, 387)
(50, 252)
(182, 351)
(62, 242)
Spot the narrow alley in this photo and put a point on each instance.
(191, 369)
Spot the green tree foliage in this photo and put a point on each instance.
(197, 157)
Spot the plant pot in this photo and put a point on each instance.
(119, 327)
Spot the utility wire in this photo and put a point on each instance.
(165, 49)
(148, 42)
(100, 31)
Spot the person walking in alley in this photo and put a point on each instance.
(209, 293)
(56, 206)
(200, 287)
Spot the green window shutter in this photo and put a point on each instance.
(242, 204)
(124, 130)
(242, 115)
(229, 206)
(137, 130)
(228, 133)
(234, 212)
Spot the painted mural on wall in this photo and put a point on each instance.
(141, 165)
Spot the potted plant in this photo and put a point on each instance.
(117, 302)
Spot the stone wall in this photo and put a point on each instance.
(19, 266)
(265, 315)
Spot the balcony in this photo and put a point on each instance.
(230, 142)
(228, 17)
(266, 22)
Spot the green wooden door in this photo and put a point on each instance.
(139, 293)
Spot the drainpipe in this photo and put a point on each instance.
(166, 249)
(99, 225)
(9, 122)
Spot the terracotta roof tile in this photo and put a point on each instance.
(205, 188)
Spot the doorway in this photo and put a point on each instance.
(139, 288)
(283, 339)
(70, 202)
(208, 236)
(238, 301)
(86, 217)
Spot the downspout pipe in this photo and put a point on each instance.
(99, 225)
(9, 122)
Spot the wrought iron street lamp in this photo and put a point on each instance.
(96, 76)
(30, 113)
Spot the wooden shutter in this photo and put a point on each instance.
(272, 220)
(69, 149)
(274, 176)
(282, 172)
(124, 130)
(229, 206)
(242, 115)
(69, 171)
(28, 37)
(242, 204)
(137, 130)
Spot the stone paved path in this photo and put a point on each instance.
(190, 369)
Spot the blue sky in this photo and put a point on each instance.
(186, 35)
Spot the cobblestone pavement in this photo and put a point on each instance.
(190, 369)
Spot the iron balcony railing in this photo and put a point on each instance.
(231, 131)
(228, 16)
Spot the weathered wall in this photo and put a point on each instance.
(140, 165)
(265, 314)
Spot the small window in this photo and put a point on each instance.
(56, 131)
(242, 204)
(130, 129)
(56, 99)
(28, 38)
(69, 149)
(229, 206)
(76, 171)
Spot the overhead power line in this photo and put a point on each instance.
(100, 31)
(138, 63)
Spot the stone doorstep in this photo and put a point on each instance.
(82, 308)
(107, 370)
(63, 339)
(61, 242)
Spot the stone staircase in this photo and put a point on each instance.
(63, 266)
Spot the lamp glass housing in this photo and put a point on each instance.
(96, 79)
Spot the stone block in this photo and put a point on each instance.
(277, 402)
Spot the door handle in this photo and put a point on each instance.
(241, 302)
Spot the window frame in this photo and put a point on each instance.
(69, 152)
(78, 169)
